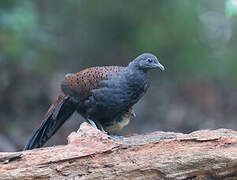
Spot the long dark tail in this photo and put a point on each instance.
(57, 114)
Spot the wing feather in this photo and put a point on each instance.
(80, 84)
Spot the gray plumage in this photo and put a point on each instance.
(104, 95)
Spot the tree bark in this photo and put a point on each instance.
(91, 154)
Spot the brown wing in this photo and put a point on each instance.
(80, 84)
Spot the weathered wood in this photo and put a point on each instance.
(91, 154)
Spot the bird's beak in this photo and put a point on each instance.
(159, 65)
(133, 114)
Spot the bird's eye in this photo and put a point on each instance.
(149, 60)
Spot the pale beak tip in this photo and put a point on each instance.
(161, 67)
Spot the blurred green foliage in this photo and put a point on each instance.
(231, 8)
(21, 38)
(42, 40)
(41, 34)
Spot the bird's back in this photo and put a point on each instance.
(81, 84)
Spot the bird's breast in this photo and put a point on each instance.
(115, 95)
(121, 91)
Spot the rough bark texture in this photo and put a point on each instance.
(91, 154)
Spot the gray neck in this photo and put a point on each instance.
(136, 74)
(134, 66)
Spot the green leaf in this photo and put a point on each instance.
(231, 8)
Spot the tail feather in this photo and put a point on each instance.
(57, 114)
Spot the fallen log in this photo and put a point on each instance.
(92, 154)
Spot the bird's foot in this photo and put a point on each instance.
(117, 138)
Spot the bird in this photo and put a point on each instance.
(104, 96)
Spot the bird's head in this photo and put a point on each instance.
(146, 62)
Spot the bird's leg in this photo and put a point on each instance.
(92, 123)
(100, 127)
(96, 125)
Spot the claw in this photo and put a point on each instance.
(117, 138)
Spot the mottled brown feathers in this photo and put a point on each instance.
(80, 84)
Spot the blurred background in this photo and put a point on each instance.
(196, 41)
